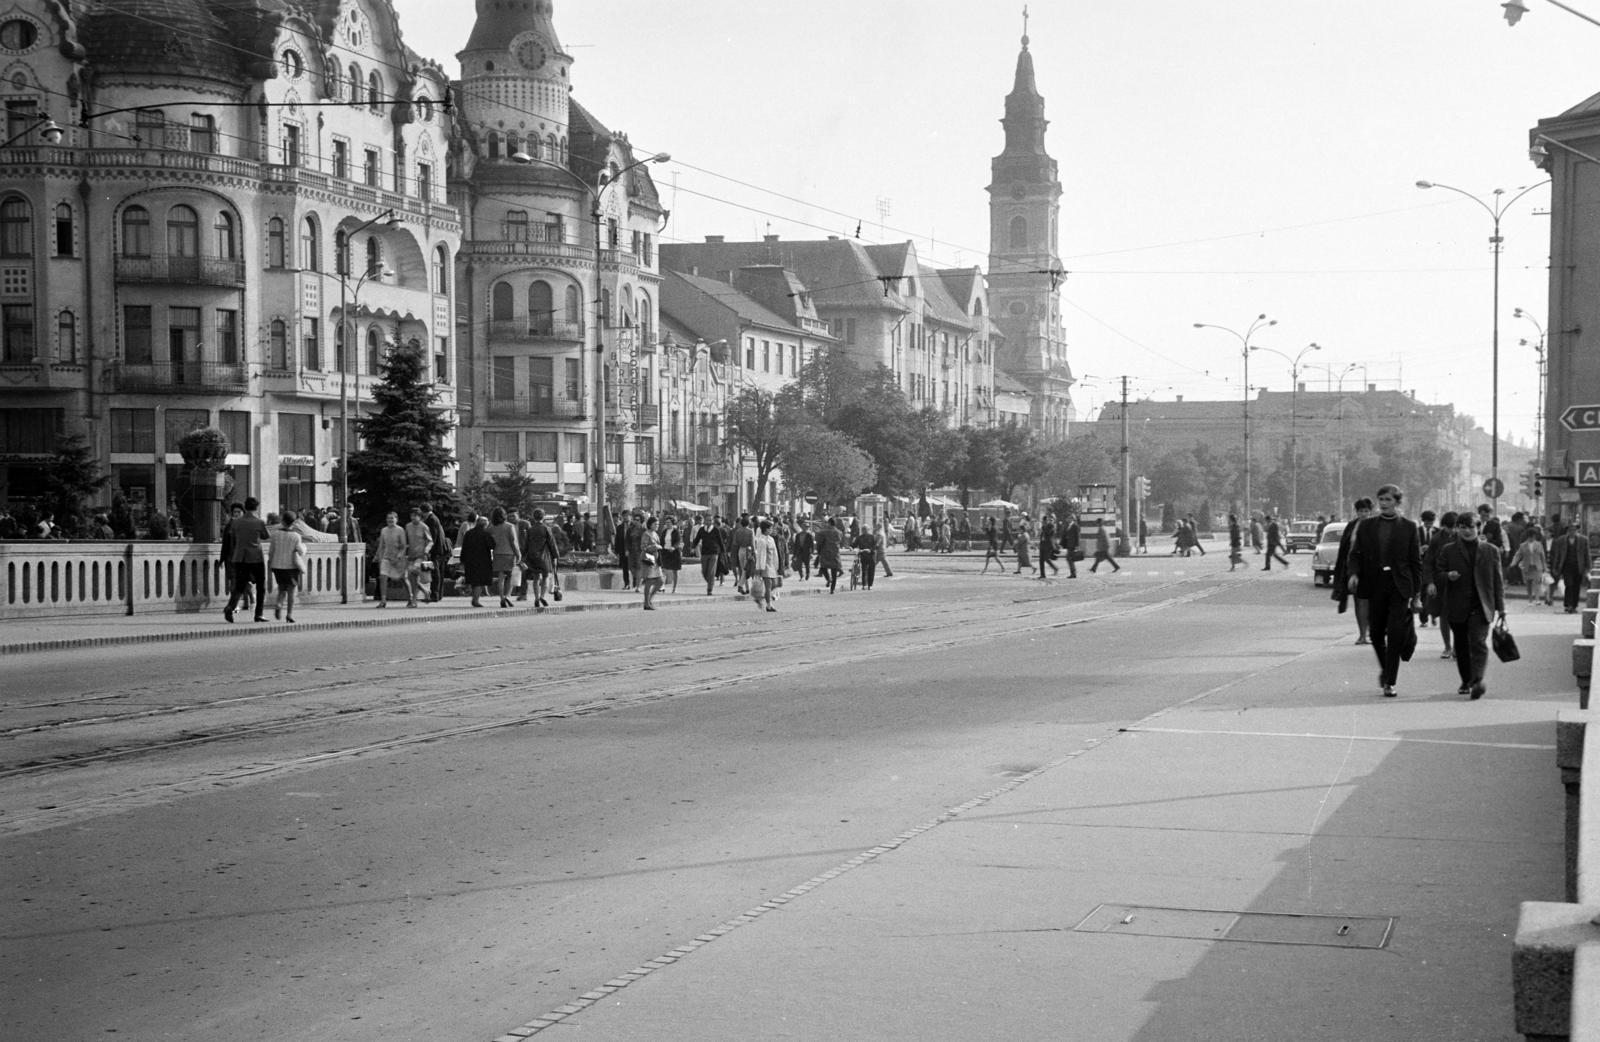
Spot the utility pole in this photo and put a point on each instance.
(1124, 545)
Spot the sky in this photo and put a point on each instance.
(1219, 161)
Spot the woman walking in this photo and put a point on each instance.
(1024, 562)
(650, 563)
(287, 559)
(1235, 543)
(828, 564)
(392, 561)
(1534, 562)
(539, 558)
(506, 552)
(671, 551)
(477, 558)
(1047, 549)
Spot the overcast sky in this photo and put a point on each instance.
(1219, 160)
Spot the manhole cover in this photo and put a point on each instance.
(1335, 931)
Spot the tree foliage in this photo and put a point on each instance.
(404, 461)
(758, 422)
(827, 463)
(71, 477)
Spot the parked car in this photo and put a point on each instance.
(1302, 536)
(1326, 554)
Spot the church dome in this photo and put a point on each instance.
(160, 37)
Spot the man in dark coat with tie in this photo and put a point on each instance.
(1385, 569)
(1467, 571)
(1569, 562)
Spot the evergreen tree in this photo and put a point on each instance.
(404, 462)
(71, 478)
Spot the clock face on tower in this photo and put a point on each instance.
(529, 50)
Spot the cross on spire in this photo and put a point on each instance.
(1024, 25)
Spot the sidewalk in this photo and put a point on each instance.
(1168, 882)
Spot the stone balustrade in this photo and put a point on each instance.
(41, 578)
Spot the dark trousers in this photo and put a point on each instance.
(1571, 588)
(436, 580)
(1273, 550)
(869, 568)
(1388, 615)
(1472, 646)
(1099, 556)
(244, 574)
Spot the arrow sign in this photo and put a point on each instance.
(1581, 418)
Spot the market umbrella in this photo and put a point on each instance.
(998, 504)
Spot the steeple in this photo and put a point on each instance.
(1024, 121)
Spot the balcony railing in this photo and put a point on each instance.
(522, 329)
(181, 377)
(166, 267)
(531, 410)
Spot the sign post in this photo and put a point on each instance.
(1581, 418)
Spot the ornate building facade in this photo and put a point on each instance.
(214, 215)
(559, 286)
(1025, 272)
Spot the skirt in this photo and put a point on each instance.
(504, 562)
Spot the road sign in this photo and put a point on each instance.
(1586, 473)
(1494, 488)
(1581, 418)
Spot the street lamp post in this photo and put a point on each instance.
(1294, 421)
(1495, 210)
(1538, 431)
(47, 127)
(1260, 322)
(388, 219)
(595, 192)
(1346, 371)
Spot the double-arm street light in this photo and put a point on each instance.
(47, 127)
(1495, 208)
(1538, 347)
(1261, 322)
(1339, 505)
(595, 192)
(1294, 420)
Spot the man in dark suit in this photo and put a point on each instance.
(1569, 562)
(1385, 569)
(1468, 571)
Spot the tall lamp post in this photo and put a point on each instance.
(389, 219)
(1294, 421)
(1495, 208)
(1332, 376)
(48, 128)
(1538, 347)
(1261, 321)
(595, 192)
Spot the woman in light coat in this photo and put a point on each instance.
(650, 563)
(506, 551)
(287, 560)
(1534, 562)
(392, 559)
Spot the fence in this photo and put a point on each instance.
(44, 578)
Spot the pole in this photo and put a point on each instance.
(600, 366)
(1294, 445)
(1249, 511)
(1124, 546)
(1494, 434)
(344, 453)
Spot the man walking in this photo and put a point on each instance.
(1569, 562)
(438, 555)
(1468, 569)
(1274, 544)
(1071, 544)
(419, 553)
(1386, 570)
(763, 566)
(249, 566)
(1102, 550)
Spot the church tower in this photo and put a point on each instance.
(1025, 271)
(518, 77)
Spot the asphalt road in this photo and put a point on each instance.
(440, 832)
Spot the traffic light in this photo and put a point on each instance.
(1530, 484)
(1141, 488)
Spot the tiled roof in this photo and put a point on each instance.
(188, 37)
(1004, 382)
(838, 272)
(737, 302)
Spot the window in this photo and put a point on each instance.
(374, 90)
(766, 356)
(750, 352)
(1019, 233)
(295, 436)
(517, 225)
(501, 446)
(504, 386)
(370, 167)
(341, 159)
(542, 446)
(16, 228)
(513, 145)
(425, 181)
(223, 228)
(235, 426)
(335, 80)
(291, 145)
(183, 341)
(341, 253)
(150, 128)
(577, 446)
(494, 144)
(133, 430)
(136, 232)
(202, 133)
(441, 270)
(340, 364)
(541, 310)
(373, 259)
(65, 246)
(67, 338)
(29, 431)
(21, 115)
(574, 307)
(16, 330)
(310, 253)
(541, 388)
(400, 167)
(18, 34)
(183, 232)
(275, 243)
(500, 302)
(424, 109)
(278, 346)
(227, 336)
(644, 452)
(570, 380)
(374, 354)
(311, 355)
(649, 248)
(292, 64)
(182, 421)
(355, 84)
(779, 360)
(613, 450)
(137, 340)
(441, 360)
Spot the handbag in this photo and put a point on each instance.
(1074, 554)
(1504, 644)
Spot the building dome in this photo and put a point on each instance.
(160, 37)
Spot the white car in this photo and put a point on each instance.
(1326, 555)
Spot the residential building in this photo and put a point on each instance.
(557, 314)
(242, 215)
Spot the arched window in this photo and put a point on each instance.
(276, 252)
(339, 363)
(645, 325)
(541, 309)
(372, 350)
(65, 244)
(625, 312)
(224, 233)
(551, 142)
(136, 232)
(278, 346)
(574, 306)
(533, 146)
(67, 338)
(494, 144)
(373, 259)
(16, 228)
(183, 232)
(501, 306)
(355, 84)
(310, 251)
(374, 90)
(341, 253)
(441, 270)
(335, 80)
(1019, 233)
(513, 144)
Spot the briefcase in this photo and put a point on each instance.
(1504, 644)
